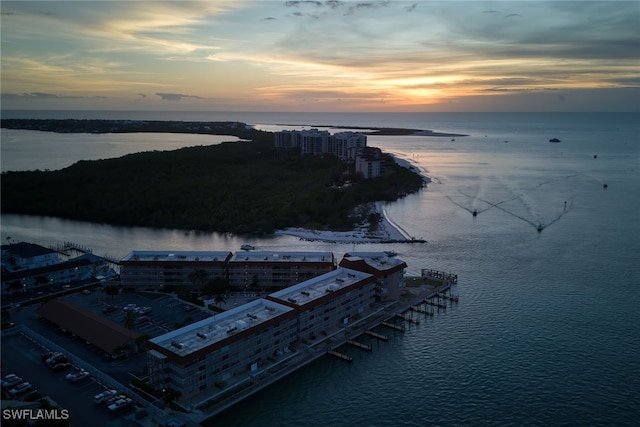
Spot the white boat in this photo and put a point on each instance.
(247, 247)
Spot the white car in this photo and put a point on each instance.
(77, 375)
(104, 396)
(11, 380)
(20, 388)
(130, 307)
(120, 404)
(143, 310)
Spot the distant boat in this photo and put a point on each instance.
(554, 140)
(390, 253)
(247, 247)
(540, 227)
(475, 212)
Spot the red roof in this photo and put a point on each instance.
(98, 330)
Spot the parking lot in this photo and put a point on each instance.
(21, 355)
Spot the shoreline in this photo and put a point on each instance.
(385, 131)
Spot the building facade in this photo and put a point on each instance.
(388, 271)
(260, 270)
(370, 162)
(199, 359)
(157, 269)
(328, 302)
(344, 145)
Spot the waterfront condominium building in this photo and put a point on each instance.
(156, 269)
(202, 358)
(313, 141)
(388, 271)
(328, 302)
(268, 270)
(370, 162)
(346, 144)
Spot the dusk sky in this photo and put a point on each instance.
(321, 55)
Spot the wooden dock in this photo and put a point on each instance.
(393, 326)
(435, 303)
(422, 310)
(341, 356)
(377, 335)
(408, 318)
(360, 345)
(453, 298)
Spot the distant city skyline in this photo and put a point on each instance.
(317, 56)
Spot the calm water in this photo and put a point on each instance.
(547, 330)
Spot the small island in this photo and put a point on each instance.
(246, 187)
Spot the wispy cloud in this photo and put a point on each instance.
(409, 53)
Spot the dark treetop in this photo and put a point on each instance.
(241, 187)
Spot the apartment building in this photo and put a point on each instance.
(199, 359)
(370, 162)
(269, 270)
(388, 271)
(51, 276)
(24, 256)
(328, 302)
(313, 142)
(156, 269)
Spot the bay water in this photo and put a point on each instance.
(547, 328)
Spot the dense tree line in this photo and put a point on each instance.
(243, 187)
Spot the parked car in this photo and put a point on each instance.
(52, 358)
(120, 404)
(129, 307)
(86, 292)
(58, 360)
(32, 396)
(188, 307)
(61, 367)
(77, 375)
(20, 389)
(47, 356)
(114, 399)
(110, 308)
(143, 310)
(104, 396)
(11, 380)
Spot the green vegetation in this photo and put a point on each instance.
(243, 187)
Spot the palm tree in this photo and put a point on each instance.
(220, 299)
(129, 322)
(198, 278)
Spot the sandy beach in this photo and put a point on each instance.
(386, 231)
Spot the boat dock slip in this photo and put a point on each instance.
(377, 335)
(408, 318)
(340, 356)
(421, 309)
(393, 326)
(360, 345)
(440, 275)
(435, 303)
